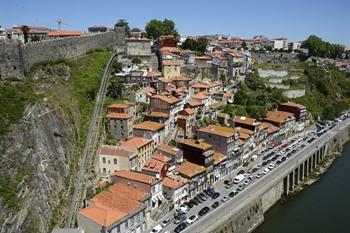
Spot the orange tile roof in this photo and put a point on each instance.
(115, 115)
(171, 63)
(199, 85)
(149, 126)
(64, 33)
(159, 114)
(219, 130)
(181, 78)
(241, 142)
(154, 73)
(200, 143)
(292, 104)
(135, 142)
(246, 120)
(160, 157)
(270, 127)
(278, 116)
(218, 158)
(153, 165)
(201, 95)
(114, 204)
(195, 103)
(169, 99)
(174, 182)
(136, 176)
(168, 149)
(189, 169)
(115, 151)
(149, 90)
(189, 111)
(118, 106)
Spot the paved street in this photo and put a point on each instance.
(255, 189)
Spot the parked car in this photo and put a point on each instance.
(157, 229)
(271, 166)
(215, 204)
(198, 199)
(216, 195)
(241, 172)
(180, 227)
(241, 187)
(265, 171)
(188, 204)
(227, 181)
(194, 202)
(179, 218)
(258, 175)
(165, 222)
(203, 211)
(233, 193)
(225, 198)
(192, 219)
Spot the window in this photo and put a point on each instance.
(109, 161)
(104, 170)
(115, 161)
(103, 160)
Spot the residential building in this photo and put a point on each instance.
(246, 143)
(285, 121)
(273, 136)
(142, 146)
(155, 167)
(138, 46)
(171, 69)
(136, 32)
(167, 104)
(151, 130)
(114, 158)
(299, 111)
(280, 43)
(220, 169)
(146, 183)
(187, 121)
(223, 139)
(223, 118)
(172, 152)
(119, 125)
(204, 98)
(160, 117)
(144, 95)
(294, 46)
(122, 208)
(196, 176)
(125, 107)
(176, 189)
(181, 81)
(97, 29)
(167, 41)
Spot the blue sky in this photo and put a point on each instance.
(295, 19)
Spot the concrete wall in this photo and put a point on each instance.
(294, 93)
(272, 196)
(15, 58)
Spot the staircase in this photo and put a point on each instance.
(161, 210)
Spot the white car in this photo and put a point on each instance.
(265, 171)
(192, 219)
(157, 229)
(224, 199)
(258, 175)
(271, 166)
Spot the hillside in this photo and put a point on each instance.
(45, 121)
(327, 90)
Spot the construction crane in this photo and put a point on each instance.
(60, 22)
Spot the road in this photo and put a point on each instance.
(90, 143)
(254, 190)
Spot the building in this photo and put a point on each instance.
(97, 29)
(63, 34)
(280, 43)
(223, 118)
(155, 167)
(144, 95)
(176, 189)
(119, 125)
(146, 183)
(196, 176)
(142, 146)
(151, 130)
(160, 117)
(220, 169)
(122, 208)
(204, 98)
(167, 41)
(172, 152)
(200, 153)
(114, 158)
(273, 136)
(223, 139)
(294, 46)
(138, 46)
(299, 111)
(35, 33)
(167, 104)
(125, 107)
(285, 121)
(187, 121)
(171, 69)
(136, 32)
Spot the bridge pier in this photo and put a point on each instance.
(291, 181)
(301, 171)
(306, 168)
(296, 176)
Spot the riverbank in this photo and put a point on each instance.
(321, 207)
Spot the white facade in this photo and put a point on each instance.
(280, 44)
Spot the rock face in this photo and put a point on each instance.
(38, 153)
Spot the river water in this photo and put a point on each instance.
(323, 207)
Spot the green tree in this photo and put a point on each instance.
(115, 88)
(123, 23)
(136, 60)
(156, 28)
(25, 31)
(35, 38)
(320, 48)
(199, 45)
(117, 67)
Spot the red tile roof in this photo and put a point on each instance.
(136, 176)
(174, 182)
(189, 169)
(115, 151)
(171, 63)
(168, 149)
(115, 115)
(246, 120)
(200, 96)
(153, 165)
(135, 142)
(219, 130)
(278, 116)
(64, 33)
(169, 99)
(149, 126)
(160, 157)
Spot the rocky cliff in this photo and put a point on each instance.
(40, 150)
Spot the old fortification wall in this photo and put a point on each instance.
(16, 58)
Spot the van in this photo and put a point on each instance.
(238, 178)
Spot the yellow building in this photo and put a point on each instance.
(142, 146)
(171, 69)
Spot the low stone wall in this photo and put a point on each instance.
(292, 94)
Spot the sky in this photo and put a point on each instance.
(295, 19)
